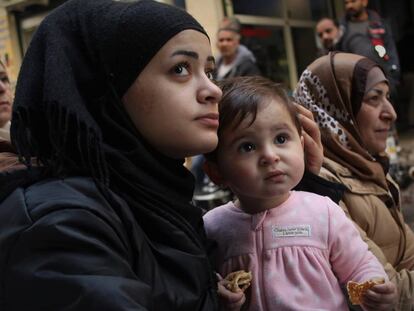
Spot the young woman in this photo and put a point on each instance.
(111, 97)
(109, 101)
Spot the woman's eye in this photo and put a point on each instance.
(372, 100)
(281, 139)
(210, 75)
(5, 79)
(181, 69)
(246, 147)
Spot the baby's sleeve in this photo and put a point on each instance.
(349, 255)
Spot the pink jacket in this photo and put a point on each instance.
(300, 253)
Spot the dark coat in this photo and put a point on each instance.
(364, 45)
(87, 254)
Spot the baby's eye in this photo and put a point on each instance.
(181, 69)
(281, 139)
(246, 147)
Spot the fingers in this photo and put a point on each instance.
(312, 140)
(231, 301)
(302, 110)
(308, 123)
(311, 127)
(380, 297)
(237, 305)
(313, 152)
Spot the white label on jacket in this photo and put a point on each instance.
(291, 231)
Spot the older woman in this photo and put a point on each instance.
(349, 96)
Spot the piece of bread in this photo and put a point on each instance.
(238, 280)
(357, 290)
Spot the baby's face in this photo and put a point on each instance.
(264, 160)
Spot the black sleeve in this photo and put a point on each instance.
(313, 183)
(72, 259)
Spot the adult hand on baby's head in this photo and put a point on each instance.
(312, 140)
(232, 301)
(380, 297)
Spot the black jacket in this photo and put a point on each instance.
(64, 247)
(363, 44)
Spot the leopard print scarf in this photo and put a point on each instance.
(332, 87)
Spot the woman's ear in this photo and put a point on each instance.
(211, 169)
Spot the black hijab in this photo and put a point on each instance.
(68, 114)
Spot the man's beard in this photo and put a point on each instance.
(353, 14)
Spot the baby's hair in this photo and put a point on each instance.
(241, 99)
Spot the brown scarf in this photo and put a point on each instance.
(332, 87)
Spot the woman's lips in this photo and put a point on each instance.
(5, 106)
(382, 131)
(210, 120)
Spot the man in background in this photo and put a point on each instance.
(365, 33)
(235, 59)
(328, 35)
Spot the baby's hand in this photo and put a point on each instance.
(380, 297)
(230, 301)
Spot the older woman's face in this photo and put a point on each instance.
(375, 118)
(6, 97)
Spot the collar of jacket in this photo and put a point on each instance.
(350, 181)
(13, 173)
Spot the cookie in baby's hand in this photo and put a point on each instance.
(238, 280)
(357, 290)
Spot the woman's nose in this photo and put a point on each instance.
(209, 92)
(389, 112)
(3, 87)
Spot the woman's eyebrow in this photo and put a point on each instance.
(211, 59)
(192, 54)
(378, 91)
(186, 53)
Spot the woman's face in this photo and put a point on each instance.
(6, 97)
(375, 118)
(173, 102)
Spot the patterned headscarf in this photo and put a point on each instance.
(333, 87)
